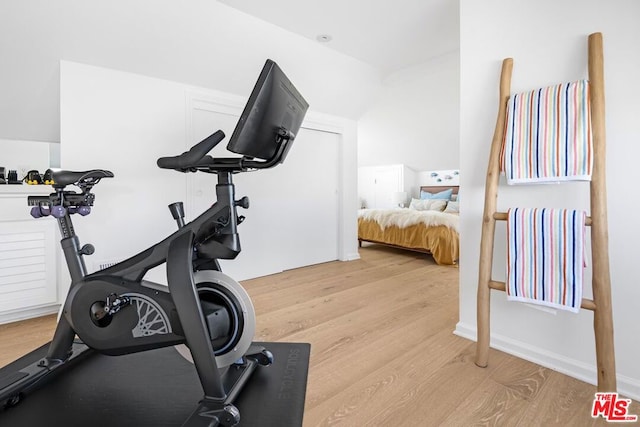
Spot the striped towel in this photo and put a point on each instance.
(545, 257)
(547, 135)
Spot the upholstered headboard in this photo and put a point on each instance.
(439, 188)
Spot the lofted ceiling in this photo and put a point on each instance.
(389, 35)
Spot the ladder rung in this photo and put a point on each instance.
(587, 304)
(502, 216)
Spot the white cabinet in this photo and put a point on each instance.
(28, 251)
(377, 185)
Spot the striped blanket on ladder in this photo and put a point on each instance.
(545, 256)
(548, 135)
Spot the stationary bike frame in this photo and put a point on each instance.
(195, 246)
(177, 251)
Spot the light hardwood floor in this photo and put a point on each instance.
(383, 352)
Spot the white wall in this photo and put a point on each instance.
(199, 42)
(150, 118)
(414, 120)
(123, 123)
(439, 177)
(377, 185)
(556, 52)
(23, 156)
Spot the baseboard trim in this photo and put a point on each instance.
(351, 257)
(627, 386)
(29, 313)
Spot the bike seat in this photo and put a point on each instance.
(62, 178)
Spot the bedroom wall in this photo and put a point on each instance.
(414, 119)
(201, 42)
(439, 177)
(490, 31)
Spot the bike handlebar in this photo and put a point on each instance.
(192, 157)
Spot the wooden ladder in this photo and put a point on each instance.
(601, 282)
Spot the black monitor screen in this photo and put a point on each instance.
(274, 105)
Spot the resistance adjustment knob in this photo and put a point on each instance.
(243, 203)
(87, 249)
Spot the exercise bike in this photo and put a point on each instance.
(115, 311)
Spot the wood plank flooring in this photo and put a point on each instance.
(383, 352)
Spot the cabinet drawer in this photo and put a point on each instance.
(27, 264)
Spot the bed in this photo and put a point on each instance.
(430, 231)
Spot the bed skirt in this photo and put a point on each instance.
(441, 241)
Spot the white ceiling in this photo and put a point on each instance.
(390, 35)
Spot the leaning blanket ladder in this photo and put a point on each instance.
(601, 282)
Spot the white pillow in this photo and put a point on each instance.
(428, 204)
(453, 207)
